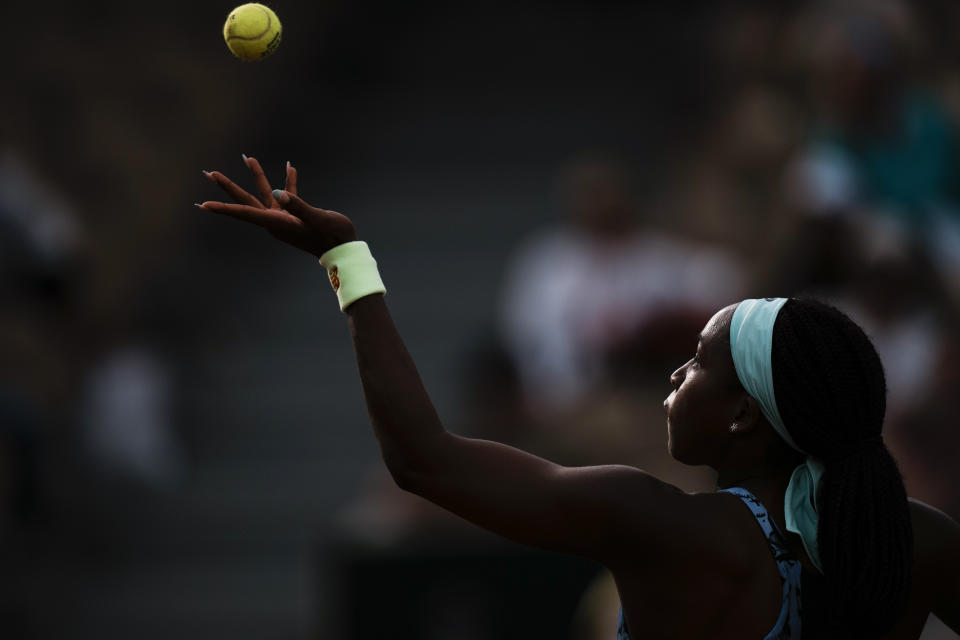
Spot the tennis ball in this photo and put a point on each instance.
(252, 31)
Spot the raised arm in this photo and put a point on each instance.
(609, 513)
(597, 512)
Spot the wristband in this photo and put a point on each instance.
(352, 271)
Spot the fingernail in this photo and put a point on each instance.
(280, 196)
(245, 158)
(207, 173)
(288, 164)
(198, 205)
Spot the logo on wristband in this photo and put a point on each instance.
(334, 279)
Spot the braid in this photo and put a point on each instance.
(831, 393)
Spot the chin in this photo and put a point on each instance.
(679, 457)
(675, 451)
(684, 456)
(673, 447)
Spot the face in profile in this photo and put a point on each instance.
(706, 397)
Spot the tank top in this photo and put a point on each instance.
(788, 622)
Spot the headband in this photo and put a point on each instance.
(751, 344)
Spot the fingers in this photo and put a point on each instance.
(292, 203)
(270, 219)
(260, 179)
(291, 184)
(236, 193)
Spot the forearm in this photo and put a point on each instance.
(401, 413)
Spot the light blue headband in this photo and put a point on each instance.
(751, 344)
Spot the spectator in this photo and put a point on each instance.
(577, 294)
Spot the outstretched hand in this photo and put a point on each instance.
(282, 213)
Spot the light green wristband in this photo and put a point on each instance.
(352, 271)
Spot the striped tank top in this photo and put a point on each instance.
(788, 622)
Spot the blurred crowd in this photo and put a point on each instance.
(826, 162)
(829, 167)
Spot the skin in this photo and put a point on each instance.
(672, 553)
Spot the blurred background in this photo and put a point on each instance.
(559, 195)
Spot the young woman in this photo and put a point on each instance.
(810, 533)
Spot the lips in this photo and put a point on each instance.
(669, 398)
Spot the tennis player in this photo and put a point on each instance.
(810, 533)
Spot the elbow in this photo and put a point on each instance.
(412, 469)
(412, 473)
(400, 474)
(410, 480)
(404, 473)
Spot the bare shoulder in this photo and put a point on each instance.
(680, 529)
(649, 509)
(936, 545)
(712, 559)
(644, 516)
(935, 533)
(936, 578)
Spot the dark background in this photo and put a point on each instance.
(253, 503)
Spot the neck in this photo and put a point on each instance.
(772, 470)
(756, 480)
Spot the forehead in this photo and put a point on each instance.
(717, 329)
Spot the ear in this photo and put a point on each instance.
(747, 416)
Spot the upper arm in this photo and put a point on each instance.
(602, 512)
(937, 536)
(946, 604)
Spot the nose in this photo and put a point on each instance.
(676, 378)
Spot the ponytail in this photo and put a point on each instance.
(831, 393)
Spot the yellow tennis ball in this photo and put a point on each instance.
(252, 31)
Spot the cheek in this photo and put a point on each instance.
(681, 402)
(690, 416)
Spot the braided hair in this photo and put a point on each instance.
(831, 393)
